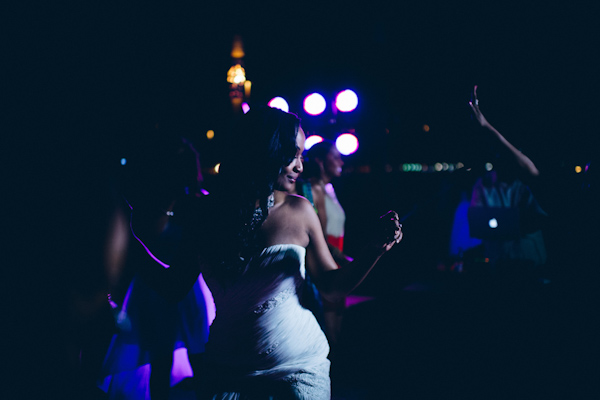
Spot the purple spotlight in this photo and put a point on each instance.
(311, 141)
(245, 107)
(280, 103)
(346, 101)
(314, 104)
(346, 143)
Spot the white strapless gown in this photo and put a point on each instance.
(262, 333)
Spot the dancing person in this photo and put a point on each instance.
(250, 240)
(139, 362)
(324, 164)
(522, 249)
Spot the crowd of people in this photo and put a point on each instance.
(266, 249)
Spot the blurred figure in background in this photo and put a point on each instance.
(145, 357)
(504, 213)
(323, 164)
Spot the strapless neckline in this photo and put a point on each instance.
(281, 246)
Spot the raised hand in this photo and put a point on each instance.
(390, 229)
(475, 107)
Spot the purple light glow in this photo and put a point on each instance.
(280, 103)
(146, 248)
(346, 101)
(346, 143)
(245, 107)
(314, 104)
(311, 141)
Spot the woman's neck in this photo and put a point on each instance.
(279, 196)
(321, 180)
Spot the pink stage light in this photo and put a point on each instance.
(346, 101)
(314, 104)
(245, 107)
(280, 103)
(311, 141)
(346, 143)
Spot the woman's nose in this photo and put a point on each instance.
(298, 166)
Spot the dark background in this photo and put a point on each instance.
(90, 83)
(95, 83)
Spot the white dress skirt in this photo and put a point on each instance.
(263, 343)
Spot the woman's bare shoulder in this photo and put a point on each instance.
(298, 202)
(301, 208)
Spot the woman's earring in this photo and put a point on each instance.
(271, 200)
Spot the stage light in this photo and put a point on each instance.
(210, 134)
(123, 161)
(425, 128)
(459, 165)
(577, 169)
(346, 101)
(346, 143)
(216, 168)
(438, 166)
(445, 166)
(314, 104)
(311, 141)
(280, 103)
(493, 223)
(245, 107)
(488, 166)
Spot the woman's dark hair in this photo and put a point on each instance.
(320, 151)
(262, 143)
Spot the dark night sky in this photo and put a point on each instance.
(117, 69)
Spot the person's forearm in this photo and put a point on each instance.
(340, 282)
(522, 160)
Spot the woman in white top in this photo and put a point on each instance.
(254, 244)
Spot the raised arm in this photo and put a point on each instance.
(522, 160)
(333, 282)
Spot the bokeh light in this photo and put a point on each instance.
(346, 101)
(346, 143)
(123, 161)
(577, 169)
(210, 134)
(311, 141)
(216, 168)
(314, 104)
(489, 166)
(280, 103)
(245, 107)
(425, 128)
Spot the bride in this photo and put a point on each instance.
(254, 244)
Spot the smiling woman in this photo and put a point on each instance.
(255, 244)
